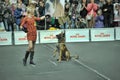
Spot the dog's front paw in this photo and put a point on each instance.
(67, 59)
(76, 56)
(59, 60)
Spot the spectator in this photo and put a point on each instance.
(92, 9)
(81, 21)
(73, 12)
(99, 20)
(67, 7)
(41, 8)
(101, 3)
(23, 6)
(49, 8)
(83, 10)
(59, 9)
(26, 2)
(8, 17)
(2, 28)
(78, 8)
(116, 14)
(64, 21)
(18, 15)
(108, 13)
(41, 12)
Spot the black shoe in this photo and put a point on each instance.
(31, 62)
(24, 62)
(25, 58)
(31, 58)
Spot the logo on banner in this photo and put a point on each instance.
(50, 37)
(3, 39)
(102, 35)
(23, 38)
(77, 36)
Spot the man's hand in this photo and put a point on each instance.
(43, 17)
(21, 27)
(105, 9)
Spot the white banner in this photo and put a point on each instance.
(21, 38)
(117, 30)
(102, 34)
(49, 36)
(5, 38)
(77, 35)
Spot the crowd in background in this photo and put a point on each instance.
(77, 14)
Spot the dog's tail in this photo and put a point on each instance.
(75, 56)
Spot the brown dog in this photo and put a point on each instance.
(62, 50)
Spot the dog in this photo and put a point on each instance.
(61, 49)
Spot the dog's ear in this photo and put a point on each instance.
(63, 34)
(58, 36)
(61, 37)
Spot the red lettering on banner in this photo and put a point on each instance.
(25, 38)
(50, 37)
(73, 36)
(3, 39)
(77, 36)
(102, 35)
